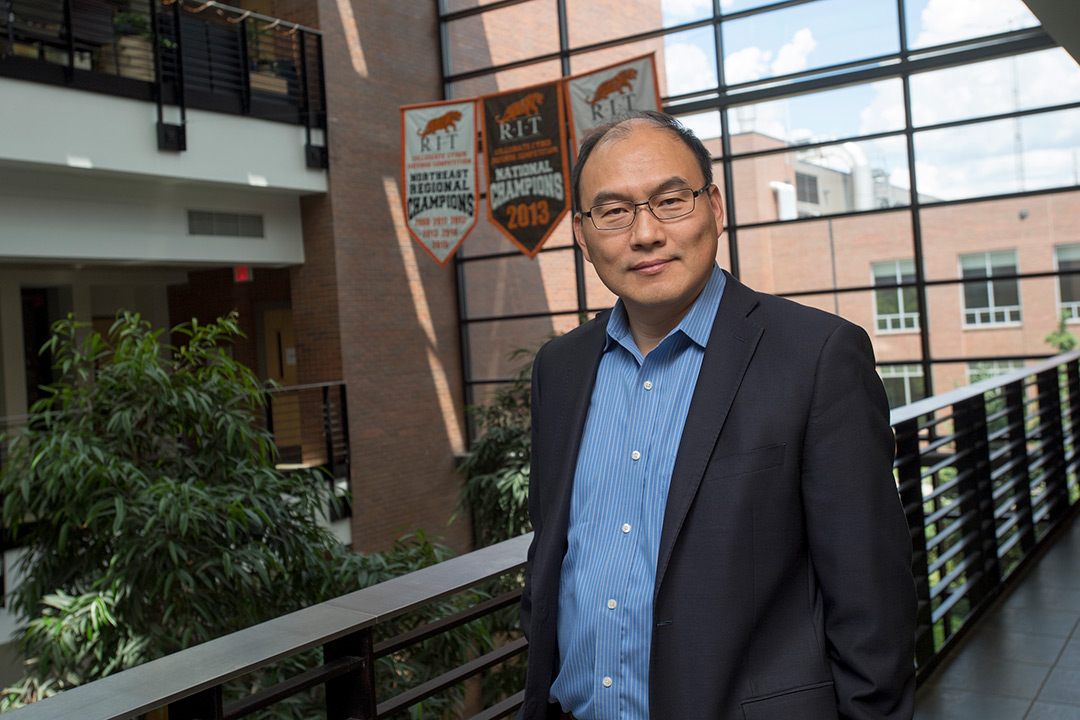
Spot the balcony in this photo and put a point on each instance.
(987, 474)
(204, 71)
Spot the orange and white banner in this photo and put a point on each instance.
(599, 96)
(439, 174)
(527, 168)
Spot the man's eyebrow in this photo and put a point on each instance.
(673, 183)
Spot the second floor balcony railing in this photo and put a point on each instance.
(176, 53)
(987, 474)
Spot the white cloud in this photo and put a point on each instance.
(679, 11)
(900, 178)
(688, 68)
(753, 63)
(886, 112)
(793, 56)
(944, 21)
(746, 65)
(769, 119)
(982, 159)
(705, 125)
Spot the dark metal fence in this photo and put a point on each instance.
(182, 53)
(190, 682)
(986, 473)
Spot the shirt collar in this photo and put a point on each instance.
(696, 324)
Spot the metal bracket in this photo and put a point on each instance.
(171, 137)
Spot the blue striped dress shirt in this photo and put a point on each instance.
(632, 433)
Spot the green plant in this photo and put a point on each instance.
(145, 495)
(496, 491)
(1060, 338)
(138, 25)
(496, 496)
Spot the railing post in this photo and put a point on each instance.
(328, 433)
(1053, 440)
(351, 696)
(205, 705)
(245, 53)
(9, 15)
(343, 409)
(972, 440)
(909, 479)
(1019, 477)
(270, 414)
(69, 37)
(1072, 439)
(303, 96)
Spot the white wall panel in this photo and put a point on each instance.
(61, 127)
(79, 215)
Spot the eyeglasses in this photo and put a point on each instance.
(664, 206)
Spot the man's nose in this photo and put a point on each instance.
(647, 231)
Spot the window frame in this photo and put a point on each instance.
(902, 287)
(1074, 305)
(988, 280)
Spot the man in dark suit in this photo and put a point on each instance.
(718, 534)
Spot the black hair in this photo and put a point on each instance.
(619, 127)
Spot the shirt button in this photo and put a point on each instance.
(611, 604)
(648, 384)
(626, 527)
(635, 455)
(607, 682)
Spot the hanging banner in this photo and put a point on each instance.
(527, 169)
(438, 174)
(599, 96)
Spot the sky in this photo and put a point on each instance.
(951, 163)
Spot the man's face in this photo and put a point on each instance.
(658, 268)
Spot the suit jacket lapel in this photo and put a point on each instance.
(732, 342)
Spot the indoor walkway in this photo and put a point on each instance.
(1022, 662)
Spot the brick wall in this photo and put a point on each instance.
(372, 302)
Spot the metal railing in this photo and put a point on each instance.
(986, 474)
(182, 53)
(190, 682)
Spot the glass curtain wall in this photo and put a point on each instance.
(911, 165)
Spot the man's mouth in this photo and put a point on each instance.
(650, 267)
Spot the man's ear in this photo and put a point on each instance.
(716, 204)
(579, 235)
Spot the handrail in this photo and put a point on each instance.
(309, 386)
(200, 5)
(958, 395)
(165, 680)
(987, 475)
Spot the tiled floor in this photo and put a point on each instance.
(1022, 662)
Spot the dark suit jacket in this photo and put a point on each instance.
(783, 583)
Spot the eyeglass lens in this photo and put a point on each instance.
(663, 206)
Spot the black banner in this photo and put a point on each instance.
(527, 167)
